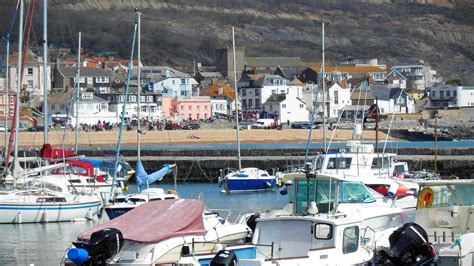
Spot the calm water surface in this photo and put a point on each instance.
(46, 244)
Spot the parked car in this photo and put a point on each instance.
(243, 126)
(36, 129)
(192, 127)
(304, 125)
(173, 127)
(264, 123)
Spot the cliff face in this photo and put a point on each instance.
(177, 31)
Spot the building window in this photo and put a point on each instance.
(199, 107)
(143, 108)
(121, 98)
(30, 71)
(250, 103)
(102, 89)
(182, 108)
(274, 91)
(448, 93)
(205, 107)
(133, 98)
(190, 108)
(350, 240)
(183, 81)
(336, 97)
(257, 104)
(142, 99)
(101, 80)
(152, 109)
(183, 93)
(433, 94)
(301, 106)
(283, 106)
(257, 92)
(150, 99)
(30, 84)
(441, 94)
(173, 81)
(455, 93)
(244, 92)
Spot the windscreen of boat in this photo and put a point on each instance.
(452, 195)
(354, 192)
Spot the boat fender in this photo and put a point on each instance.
(78, 255)
(392, 191)
(426, 198)
(171, 191)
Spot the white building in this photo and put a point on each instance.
(338, 98)
(284, 108)
(168, 82)
(149, 106)
(33, 79)
(390, 100)
(261, 87)
(452, 96)
(419, 77)
(91, 108)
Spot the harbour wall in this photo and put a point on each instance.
(204, 165)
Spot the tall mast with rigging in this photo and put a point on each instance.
(76, 102)
(139, 86)
(323, 81)
(45, 70)
(236, 101)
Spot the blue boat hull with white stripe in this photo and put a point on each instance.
(248, 180)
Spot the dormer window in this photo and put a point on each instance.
(102, 79)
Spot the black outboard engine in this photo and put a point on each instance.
(408, 246)
(102, 246)
(224, 258)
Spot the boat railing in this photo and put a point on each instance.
(366, 240)
(271, 246)
(219, 211)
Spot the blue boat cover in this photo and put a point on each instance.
(144, 179)
(107, 165)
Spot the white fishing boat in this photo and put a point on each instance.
(46, 200)
(160, 232)
(446, 211)
(376, 170)
(328, 221)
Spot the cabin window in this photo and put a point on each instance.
(381, 162)
(350, 241)
(323, 231)
(339, 163)
(354, 192)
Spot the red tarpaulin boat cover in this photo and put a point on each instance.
(47, 152)
(156, 221)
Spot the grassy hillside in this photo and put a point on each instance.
(177, 31)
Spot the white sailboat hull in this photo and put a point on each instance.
(24, 212)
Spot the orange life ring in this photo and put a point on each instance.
(426, 198)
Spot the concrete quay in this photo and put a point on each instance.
(204, 165)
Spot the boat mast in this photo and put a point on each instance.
(76, 103)
(18, 87)
(45, 70)
(236, 101)
(7, 88)
(139, 84)
(323, 81)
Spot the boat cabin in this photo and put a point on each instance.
(358, 161)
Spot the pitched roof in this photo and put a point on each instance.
(210, 74)
(350, 69)
(274, 62)
(85, 72)
(275, 99)
(287, 72)
(227, 91)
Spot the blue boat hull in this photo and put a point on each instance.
(249, 185)
(115, 212)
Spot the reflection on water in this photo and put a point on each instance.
(45, 244)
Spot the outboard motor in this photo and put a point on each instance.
(103, 245)
(408, 246)
(224, 258)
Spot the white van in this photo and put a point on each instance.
(264, 123)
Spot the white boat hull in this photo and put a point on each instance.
(47, 212)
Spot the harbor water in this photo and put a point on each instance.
(46, 244)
